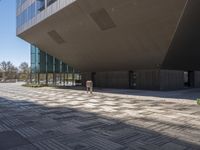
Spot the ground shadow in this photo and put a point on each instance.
(28, 125)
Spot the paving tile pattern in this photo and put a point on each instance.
(65, 119)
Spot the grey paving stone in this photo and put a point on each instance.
(28, 132)
(81, 146)
(61, 119)
(43, 123)
(138, 145)
(51, 144)
(170, 146)
(25, 147)
(103, 144)
(3, 127)
(11, 139)
(67, 129)
(74, 138)
(11, 122)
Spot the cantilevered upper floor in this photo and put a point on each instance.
(31, 12)
(101, 35)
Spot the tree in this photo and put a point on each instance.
(24, 71)
(9, 70)
(7, 67)
(1, 74)
(24, 68)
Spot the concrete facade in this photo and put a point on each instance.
(171, 80)
(144, 79)
(115, 79)
(112, 41)
(148, 79)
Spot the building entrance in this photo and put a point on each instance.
(189, 79)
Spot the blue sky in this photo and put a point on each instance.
(12, 48)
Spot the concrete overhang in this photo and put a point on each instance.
(184, 50)
(101, 35)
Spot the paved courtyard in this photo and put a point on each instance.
(66, 119)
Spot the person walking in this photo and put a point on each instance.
(89, 86)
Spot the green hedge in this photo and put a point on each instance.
(198, 101)
(34, 85)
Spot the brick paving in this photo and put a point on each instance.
(66, 119)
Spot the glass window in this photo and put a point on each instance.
(33, 68)
(20, 2)
(33, 56)
(57, 66)
(18, 20)
(32, 49)
(40, 4)
(64, 67)
(26, 15)
(49, 2)
(70, 69)
(49, 63)
(31, 11)
(37, 58)
(42, 62)
(23, 17)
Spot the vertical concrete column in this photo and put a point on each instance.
(45, 3)
(46, 65)
(35, 76)
(67, 75)
(73, 79)
(60, 78)
(47, 81)
(38, 78)
(67, 78)
(64, 78)
(197, 79)
(31, 77)
(54, 71)
(53, 78)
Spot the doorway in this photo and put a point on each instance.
(189, 79)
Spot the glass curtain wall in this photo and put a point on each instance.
(35, 8)
(20, 2)
(26, 15)
(47, 69)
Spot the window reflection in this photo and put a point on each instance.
(20, 2)
(26, 15)
(42, 62)
(40, 4)
(31, 11)
(49, 2)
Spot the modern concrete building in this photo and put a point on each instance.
(141, 44)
